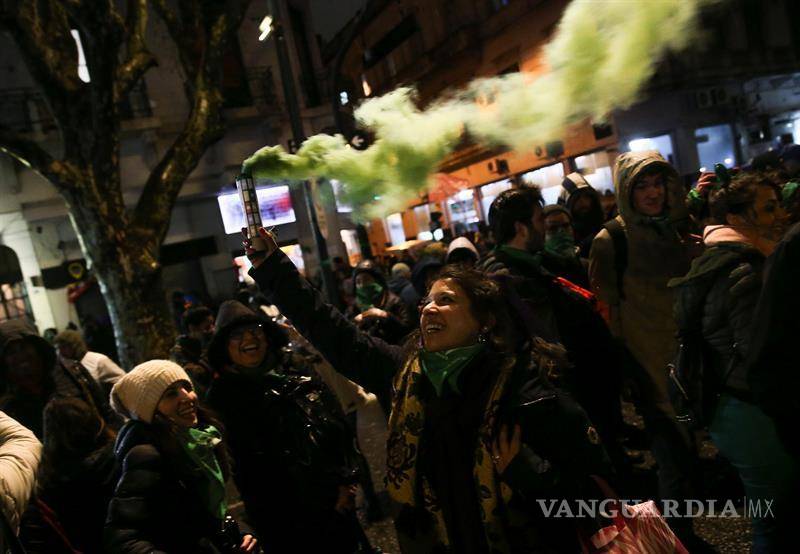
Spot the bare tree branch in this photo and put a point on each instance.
(178, 32)
(63, 175)
(138, 59)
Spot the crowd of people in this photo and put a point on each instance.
(501, 359)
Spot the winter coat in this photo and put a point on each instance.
(20, 452)
(556, 312)
(718, 298)
(641, 313)
(399, 322)
(772, 365)
(288, 476)
(64, 379)
(77, 501)
(561, 448)
(158, 505)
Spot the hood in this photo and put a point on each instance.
(715, 234)
(420, 270)
(629, 166)
(462, 242)
(572, 187)
(233, 313)
(132, 434)
(370, 267)
(20, 329)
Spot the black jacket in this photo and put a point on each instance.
(78, 498)
(772, 369)
(553, 311)
(403, 288)
(62, 380)
(157, 505)
(399, 322)
(288, 475)
(718, 298)
(560, 451)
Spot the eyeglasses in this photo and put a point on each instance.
(239, 333)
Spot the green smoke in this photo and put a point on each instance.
(602, 54)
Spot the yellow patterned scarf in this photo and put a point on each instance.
(405, 428)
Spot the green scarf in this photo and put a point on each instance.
(368, 295)
(445, 367)
(199, 445)
(560, 244)
(522, 256)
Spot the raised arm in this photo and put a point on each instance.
(368, 361)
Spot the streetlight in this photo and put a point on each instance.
(271, 25)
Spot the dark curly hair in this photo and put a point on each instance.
(512, 206)
(738, 196)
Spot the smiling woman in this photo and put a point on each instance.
(475, 432)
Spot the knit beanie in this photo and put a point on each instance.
(137, 393)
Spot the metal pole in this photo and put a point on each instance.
(293, 107)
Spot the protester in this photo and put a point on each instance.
(630, 263)
(470, 417)
(717, 299)
(425, 272)
(400, 284)
(557, 311)
(462, 251)
(585, 208)
(293, 450)
(31, 374)
(561, 256)
(76, 481)
(171, 495)
(72, 348)
(20, 452)
(377, 310)
(190, 350)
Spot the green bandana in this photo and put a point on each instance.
(445, 367)
(788, 193)
(561, 244)
(368, 295)
(522, 256)
(199, 445)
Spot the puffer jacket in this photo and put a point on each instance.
(20, 453)
(658, 250)
(718, 297)
(157, 506)
(62, 380)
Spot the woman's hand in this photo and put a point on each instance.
(376, 313)
(504, 449)
(249, 544)
(260, 247)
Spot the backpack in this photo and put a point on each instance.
(616, 230)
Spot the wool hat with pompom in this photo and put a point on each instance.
(136, 394)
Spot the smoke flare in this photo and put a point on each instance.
(601, 56)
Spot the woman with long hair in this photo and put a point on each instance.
(476, 433)
(171, 495)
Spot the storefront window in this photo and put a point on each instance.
(548, 178)
(394, 226)
(661, 143)
(422, 214)
(463, 214)
(596, 169)
(341, 205)
(490, 192)
(715, 146)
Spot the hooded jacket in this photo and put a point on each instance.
(396, 326)
(288, 475)
(459, 244)
(60, 380)
(20, 453)
(573, 187)
(642, 315)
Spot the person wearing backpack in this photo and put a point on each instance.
(631, 260)
(294, 456)
(717, 300)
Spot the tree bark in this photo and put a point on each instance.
(121, 243)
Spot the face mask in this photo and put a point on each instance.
(560, 243)
(368, 295)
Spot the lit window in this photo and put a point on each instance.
(548, 178)
(394, 224)
(662, 143)
(715, 145)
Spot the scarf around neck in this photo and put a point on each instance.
(199, 445)
(522, 256)
(446, 366)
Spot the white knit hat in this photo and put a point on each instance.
(137, 393)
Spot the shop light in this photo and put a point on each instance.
(265, 27)
(83, 69)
